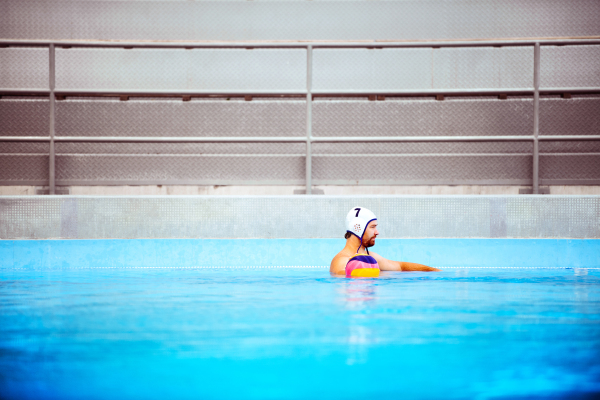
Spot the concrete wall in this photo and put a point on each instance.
(543, 231)
(296, 217)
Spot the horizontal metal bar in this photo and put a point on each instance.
(45, 154)
(29, 92)
(459, 92)
(572, 90)
(78, 92)
(557, 138)
(570, 182)
(149, 139)
(24, 182)
(147, 93)
(172, 155)
(427, 92)
(300, 182)
(370, 139)
(24, 138)
(424, 182)
(291, 155)
(300, 93)
(395, 139)
(482, 182)
(315, 44)
(200, 182)
(421, 155)
(568, 154)
(146, 139)
(150, 93)
(465, 43)
(292, 139)
(280, 182)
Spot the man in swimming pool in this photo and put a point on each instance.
(355, 259)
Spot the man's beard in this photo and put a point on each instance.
(368, 244)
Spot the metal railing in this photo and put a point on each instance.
(309, 93)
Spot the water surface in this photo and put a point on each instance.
(229, 333)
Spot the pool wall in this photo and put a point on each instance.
(221, 231)
(215, 253)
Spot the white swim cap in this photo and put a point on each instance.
(357, 220)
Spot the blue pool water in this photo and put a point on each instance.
(229, 333)
(178, 253)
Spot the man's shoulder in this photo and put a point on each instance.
(338, 264)
(343, 255)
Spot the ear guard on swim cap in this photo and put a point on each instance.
(357, 220)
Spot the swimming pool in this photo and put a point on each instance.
(225, 297)
(150, 333)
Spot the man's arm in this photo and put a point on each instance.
(389, 265)
(407, 266)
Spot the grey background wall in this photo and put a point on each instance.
(272, 217)
(297, 20)
(277, 69)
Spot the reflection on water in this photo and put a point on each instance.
(581, 291)
(359, 292)
(359, 295)
(461, 288)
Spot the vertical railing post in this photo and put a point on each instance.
(308, 119)
(536, 118)
(51, 76)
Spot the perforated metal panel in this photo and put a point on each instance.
(438, 149)
(265, 70)
(178, 69)
(24, 163)
(171, 163)
(89, 217)
(422, 169)
(570, 66)
(174, 149)
(297, 20)
(371, 69)
(562, 162)
(285, 70)
(423, 118)
(199, 117)
(283, 163)
(23, 169)
(24, 148)
(506, 67)
(570, 166)
(23, 68)
(24, 117)
(158, 117)
(193, 169)
(570, 147)
(404, 69)
(577, 116)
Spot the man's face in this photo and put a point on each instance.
(370, 234)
